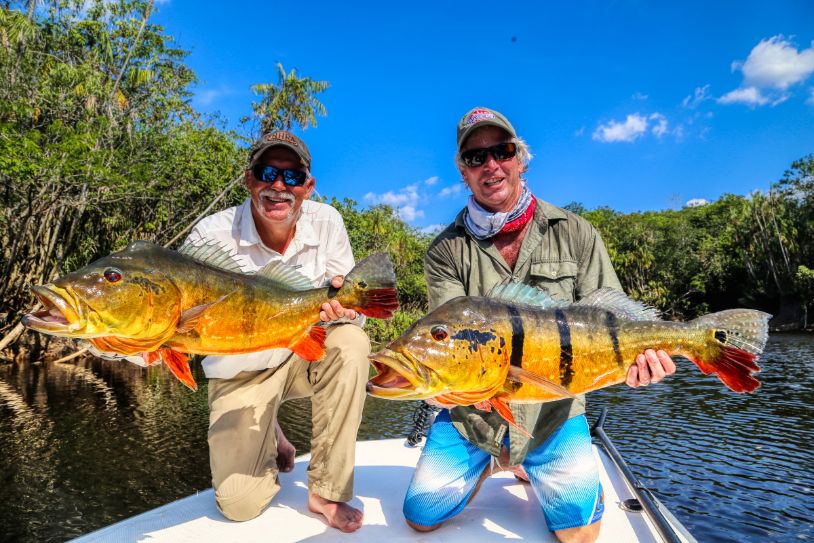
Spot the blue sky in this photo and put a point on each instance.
(629, 104)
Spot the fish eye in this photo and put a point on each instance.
(439, 333)
(112, 275)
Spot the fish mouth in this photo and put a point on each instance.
(58, 316)
(397, 377)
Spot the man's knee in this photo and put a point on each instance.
(242, 498)
(348, 345)
(580, 534)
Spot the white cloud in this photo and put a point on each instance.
(750, 96)
(452, 190)
(408, 196)
(632, 128)
(661, 124)
(776, 63)
(410, 213)
(772, 67)
(580, 132)
(640, 96)
(430, 181)
(205, 97)
(699, 95)
(696, 202)
(433, 229)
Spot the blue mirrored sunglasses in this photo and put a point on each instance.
(268, 174)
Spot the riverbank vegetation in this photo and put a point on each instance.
(99, 146)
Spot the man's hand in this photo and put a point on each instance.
(333, 310)
(650, 367)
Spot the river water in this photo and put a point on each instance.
(86, 443)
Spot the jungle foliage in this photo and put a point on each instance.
(99, 146)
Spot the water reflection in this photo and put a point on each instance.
(88, 442)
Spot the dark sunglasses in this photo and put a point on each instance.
(268, 174)
(476, 157)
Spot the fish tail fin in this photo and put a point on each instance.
(178, 364)
(310, 346)
(739, 336)
(370, 287)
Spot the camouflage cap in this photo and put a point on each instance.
(482, 116)
(283, 138)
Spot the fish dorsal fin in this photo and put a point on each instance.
(284, 276)
(521, 293)
(620, 305)
(211, 253)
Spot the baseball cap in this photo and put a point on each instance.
(482, 116)
(284, 139)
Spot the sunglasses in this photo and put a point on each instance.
(476, 157)
(268, 174)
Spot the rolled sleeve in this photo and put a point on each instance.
(596, 270)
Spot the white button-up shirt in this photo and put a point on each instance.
(320, 250)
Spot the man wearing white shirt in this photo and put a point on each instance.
(247, 448)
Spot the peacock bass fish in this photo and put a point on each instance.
(150, 301)
(519, 345)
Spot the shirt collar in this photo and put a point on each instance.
(305, 235)
(543, 212)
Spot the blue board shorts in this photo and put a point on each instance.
(562, 471)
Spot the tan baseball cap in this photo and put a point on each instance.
(482, 116)
(284, 139)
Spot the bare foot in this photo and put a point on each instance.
(285, 452)
(340, 515)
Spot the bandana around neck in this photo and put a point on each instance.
(483, 224)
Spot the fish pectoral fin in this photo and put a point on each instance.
(178, 364)
(530, 378)
(505, 411)
(192, 316)
(311, 346)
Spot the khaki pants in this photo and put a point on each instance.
(243, 412)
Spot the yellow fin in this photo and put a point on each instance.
(529, 378)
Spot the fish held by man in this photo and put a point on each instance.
(160, 304)
(519, 345)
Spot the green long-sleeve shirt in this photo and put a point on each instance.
(562, 254)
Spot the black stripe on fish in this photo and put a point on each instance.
(566, 350)
(518, 337)
(613, 332)
(475, 338)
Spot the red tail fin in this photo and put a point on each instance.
(734, 367)
(379, 303)
(370, 287)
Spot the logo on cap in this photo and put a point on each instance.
(477, 116)
(283, 136)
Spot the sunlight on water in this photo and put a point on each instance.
(90, 442)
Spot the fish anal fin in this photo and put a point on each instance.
(505, 411)
(178, 364)
(192, 316)
(533, 379)
(311, 346)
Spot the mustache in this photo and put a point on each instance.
(277, 195)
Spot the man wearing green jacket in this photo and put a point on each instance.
(506, 234)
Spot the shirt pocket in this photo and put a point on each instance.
(558, 278)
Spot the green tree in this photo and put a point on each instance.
(292, 100)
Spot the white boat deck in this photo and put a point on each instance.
(504, 509)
